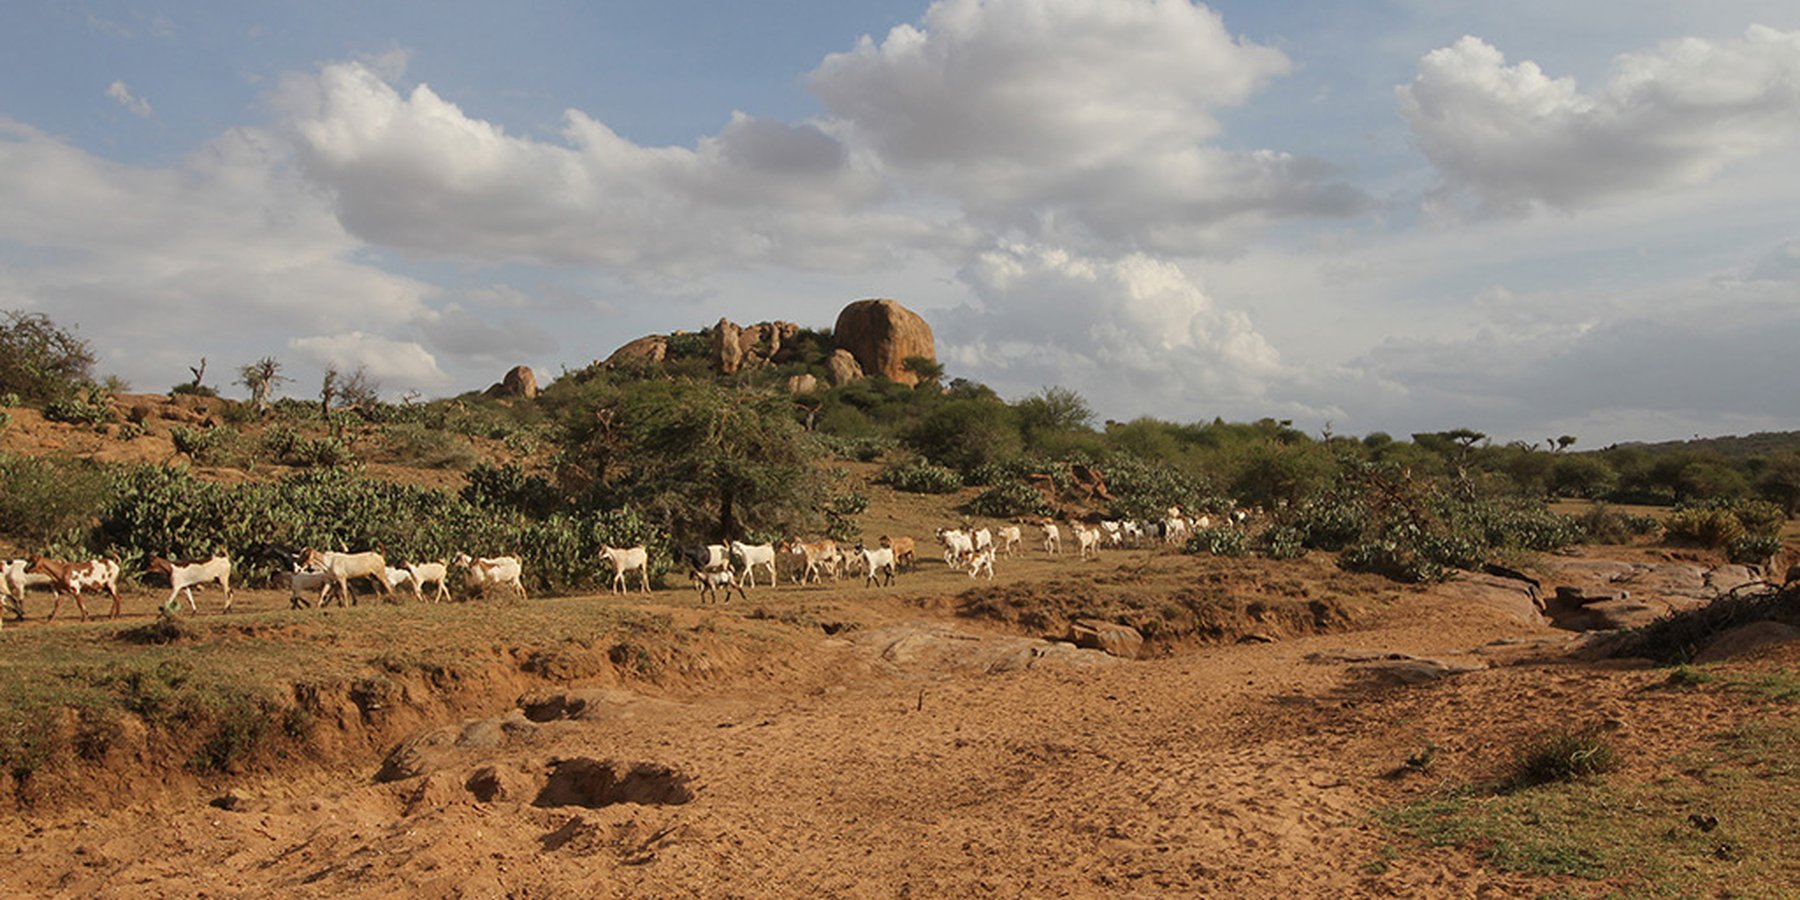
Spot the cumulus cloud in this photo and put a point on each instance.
(415, 172)
(1137, 330)
(225, 255)
(133, 104)
(1085, 120)
(396, 364)
(1515, 137)
(1703, 356)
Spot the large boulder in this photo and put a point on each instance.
(649, 350)
(728, 353)
(1118, 640)
(519, 382)
(843, 368)
(882, 335)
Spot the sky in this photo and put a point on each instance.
(1532, 219)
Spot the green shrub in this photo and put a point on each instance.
(1717, 523)
(77, 410)
(1008, 500)
(1281, 542)
(1223, 541)
(43, 498)
(39, 360)
(321, 452)
(920, 477)
(190, 389)
(1605, 525)
(1562, 755)
(412, 444)
(1753, 549)
(509, 487)
(850, 503)
(217, 446)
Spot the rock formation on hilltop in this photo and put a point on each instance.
(883, 335)
(520, 382)
(873, 337)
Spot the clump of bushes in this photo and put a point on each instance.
(1387, 522)
(1223, 541)
(86, 408)
(1718, 523)
(918, 476)
(218, 446)
(1009, 499)
(1563, 755)
(1604, 524)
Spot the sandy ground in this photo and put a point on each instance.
(901, 760)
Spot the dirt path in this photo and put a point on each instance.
(915, 769)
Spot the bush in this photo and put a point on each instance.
(218, 446)
(39, 361)
(1281, 542)
(1010, 499)
(920, 477)
(1560, 756)
(1753, 549)
(42, 499)
(81, 409)
(851, 503)
(321, 452)
(1717, 523)
(1605, 525)
(508, 487)
(1224, 541)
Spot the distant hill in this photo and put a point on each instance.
(1731, 447)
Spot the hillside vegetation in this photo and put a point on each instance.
(674, 453)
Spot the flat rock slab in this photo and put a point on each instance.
(1746, 639)
(942, 648)
(1517, 599)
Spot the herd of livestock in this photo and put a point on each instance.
(711, 567)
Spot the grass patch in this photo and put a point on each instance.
(1564, 756)
(1722, 827)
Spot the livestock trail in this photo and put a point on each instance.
(910, 750)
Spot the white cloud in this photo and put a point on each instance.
(396, 364)
(1080, 121)
(135, 105)
(1515, 137)
(1135, 332)
(415, 172)
(226, 255)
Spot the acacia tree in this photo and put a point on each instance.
(703, 460)
(40, 361)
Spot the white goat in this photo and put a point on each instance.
(17, 580)
(1009, 539)
(878, 559)
(344, 566)
(1087, 540)
(493, 571)
(958, 546)
(422, 574)
(188, 574)
(631, 559)
(710, 581)
(1052, 537)
(753, 555)
(982, 562)
(303, 582)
